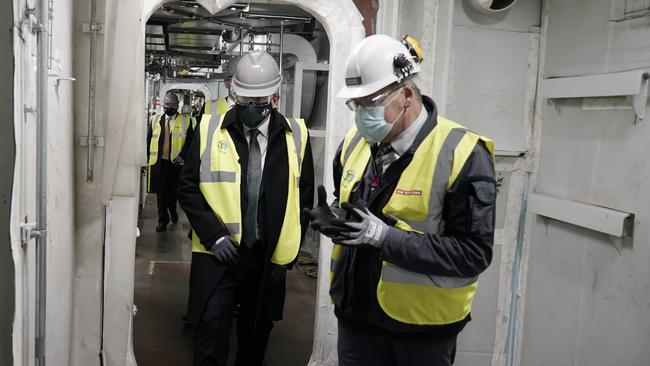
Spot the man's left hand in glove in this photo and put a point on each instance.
(178, 161)
(362, 228)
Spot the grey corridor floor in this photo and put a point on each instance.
(161, 285)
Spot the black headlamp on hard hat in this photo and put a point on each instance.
(402, 63)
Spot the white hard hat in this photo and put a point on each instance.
(231, 68)
(378, 61)
(258, 75)
(170, 98)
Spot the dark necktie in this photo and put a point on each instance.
(382, 156)
(253, 179)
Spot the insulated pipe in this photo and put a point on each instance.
(231, 46)
(92, 141)
(41, 179)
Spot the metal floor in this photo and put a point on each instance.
(161, 286)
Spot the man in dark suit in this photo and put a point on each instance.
(247, 176)
(168, 141)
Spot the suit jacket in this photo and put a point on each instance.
(272, 201)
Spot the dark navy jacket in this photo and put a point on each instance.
(463, 249)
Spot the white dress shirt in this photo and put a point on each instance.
(405, 139)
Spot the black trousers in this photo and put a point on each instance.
(239, 284)
(167, 195)
(358, 348)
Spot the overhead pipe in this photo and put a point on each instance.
(43, 39)
(263, 16)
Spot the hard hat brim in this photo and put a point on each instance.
(360, 91)
(255, 91)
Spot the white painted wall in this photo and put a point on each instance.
(60, 225)
(587, 301)
(89, 211)
(491, 89)
(61, 189)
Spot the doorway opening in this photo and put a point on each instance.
(187, 52)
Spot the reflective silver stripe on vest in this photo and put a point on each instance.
(184, 126)
(213, 106)
(396, 274)
(351, 146)
(155, 135)
(439, 183)
(296, 132)
(206, 174)
(220, 176)
(433, 223)
(233, 228)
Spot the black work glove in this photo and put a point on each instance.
(178, 162)
(322, 214)
(225, 250)
(361, 228)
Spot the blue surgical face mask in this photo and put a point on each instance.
(372, 124)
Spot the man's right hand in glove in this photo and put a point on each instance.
(225, 250)
(321, 216)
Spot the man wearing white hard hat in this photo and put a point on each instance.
(412, 219)
(168, 141)
(248, 175)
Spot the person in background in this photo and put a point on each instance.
(222, 105)
(412, 218)
(247, 176)
(168, 141)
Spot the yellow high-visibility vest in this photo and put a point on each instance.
(219, 106)
(178, 134)
(417, 203)
(220, 183)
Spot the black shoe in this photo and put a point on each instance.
(174, 218)
(161, 227)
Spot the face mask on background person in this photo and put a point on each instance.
(170, 111)
(252, 115)
(372, 124)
